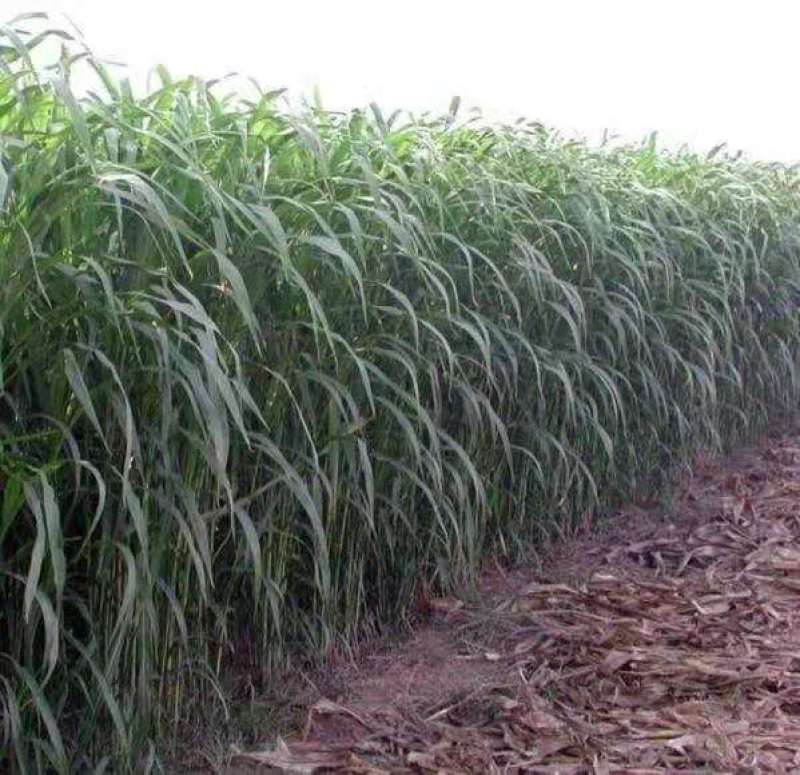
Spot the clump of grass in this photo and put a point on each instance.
(264, 373)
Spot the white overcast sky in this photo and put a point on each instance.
(700, 72)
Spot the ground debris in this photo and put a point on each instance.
(680, 652)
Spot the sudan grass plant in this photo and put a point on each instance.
(264, 373)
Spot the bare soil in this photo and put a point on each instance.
(656, 641)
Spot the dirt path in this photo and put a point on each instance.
(677, 648)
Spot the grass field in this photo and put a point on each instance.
(267, 375)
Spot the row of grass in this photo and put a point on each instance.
(266, 375)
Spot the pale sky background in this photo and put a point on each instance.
(700, 72)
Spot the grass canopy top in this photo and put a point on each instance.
(265, 375)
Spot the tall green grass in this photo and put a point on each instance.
(264, 374)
